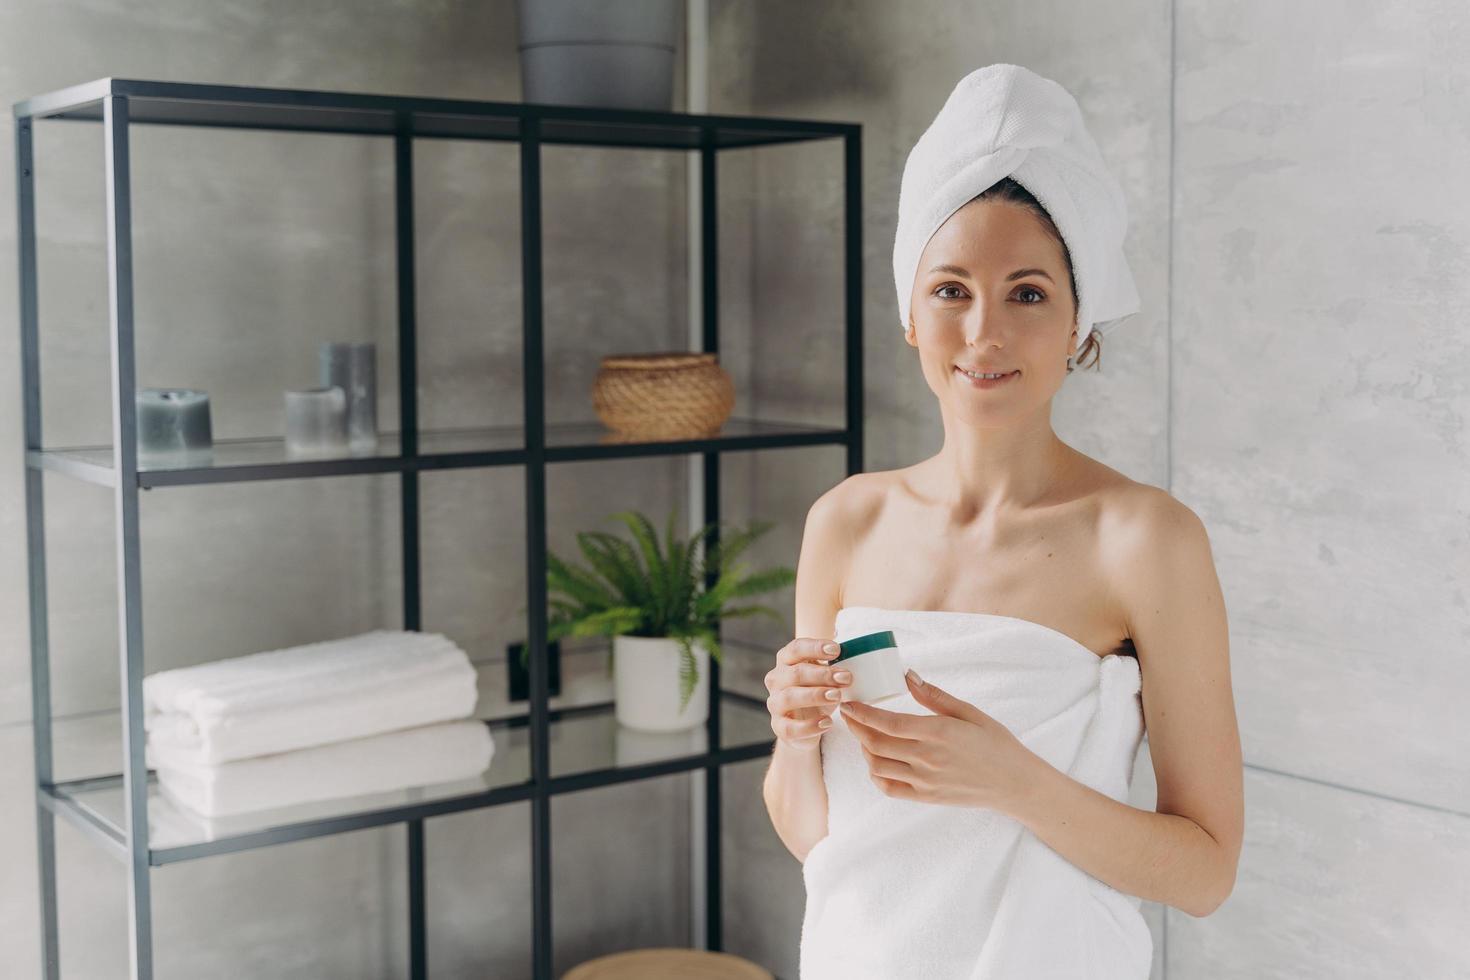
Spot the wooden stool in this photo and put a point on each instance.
(668, 963)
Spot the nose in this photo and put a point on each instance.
(984, 326)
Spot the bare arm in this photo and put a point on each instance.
(796, 798)
(794, 793)
(1184, 854)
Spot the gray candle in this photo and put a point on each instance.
(353, 367)
(173, 427)
(316, 422)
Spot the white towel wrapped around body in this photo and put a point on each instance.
(422, 756)
(904, 888)
(297, 697)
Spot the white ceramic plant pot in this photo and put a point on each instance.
(646, 684)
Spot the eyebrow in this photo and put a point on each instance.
(1018, 274)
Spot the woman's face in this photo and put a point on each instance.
(1004, 304)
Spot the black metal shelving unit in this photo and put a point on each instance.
(113, 810)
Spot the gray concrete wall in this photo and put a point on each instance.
(251, 249)
(1293, 377)
(1321, 222)
(1295, 175)
(890, 67)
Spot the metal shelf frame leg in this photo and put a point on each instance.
(125, 498)
(709, 235)
(25, 184)
(533, 367)
(418, 951)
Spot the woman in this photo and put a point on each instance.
(977, 826)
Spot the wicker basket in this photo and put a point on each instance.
(663, 395)
(668, 963)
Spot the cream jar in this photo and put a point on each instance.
(877, 669)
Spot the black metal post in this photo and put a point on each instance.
(853, 235)
(533, 366)
(709, 275)
(30, 366)
(125, 496)
(418, 947)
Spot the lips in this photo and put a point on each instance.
(985, 383)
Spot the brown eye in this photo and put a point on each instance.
(1032, 289)
(943, 288)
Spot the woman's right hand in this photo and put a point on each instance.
(805, 690)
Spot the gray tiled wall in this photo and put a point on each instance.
(1321, 221)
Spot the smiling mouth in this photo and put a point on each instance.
(975, 382)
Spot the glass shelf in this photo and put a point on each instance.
(588, 748)
(242, 107)
(237, 460)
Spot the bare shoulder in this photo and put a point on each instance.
(1154, 553)
(1148, 538)
(835, 524)
(854, 503)
(1141, 514)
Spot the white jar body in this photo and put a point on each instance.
(876, 675)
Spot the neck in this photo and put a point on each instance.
(987, 471)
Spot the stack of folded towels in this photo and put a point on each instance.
(381, 711)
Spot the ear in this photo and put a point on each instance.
(911, 334)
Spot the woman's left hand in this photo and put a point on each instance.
(958, 756)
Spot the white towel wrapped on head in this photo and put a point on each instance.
(422, 756)
(1007, 121)
(297, 697)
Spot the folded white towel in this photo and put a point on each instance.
(307, 695)
(409, 757)
(903, 888)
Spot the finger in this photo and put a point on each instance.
(801, 729)
(889, 768)
(899, 724)
(818, 675)
(809, 649)
(809, 675)
(875, 738)
(807, 699)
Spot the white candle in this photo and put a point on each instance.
(354, 368)
(316, 422)
(173, 428)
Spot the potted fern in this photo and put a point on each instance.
(651, 598)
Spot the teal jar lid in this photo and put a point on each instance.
(867, 643)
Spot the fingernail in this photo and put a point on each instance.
(831, 648)
(913, 676)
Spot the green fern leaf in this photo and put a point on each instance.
(576, 583)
